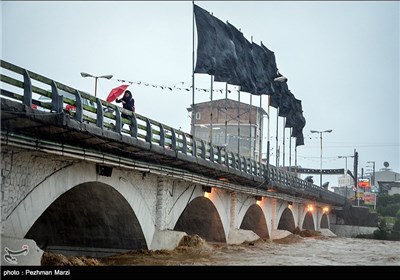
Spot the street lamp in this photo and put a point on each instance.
(83, 74)
(320, 137)
(345, 157)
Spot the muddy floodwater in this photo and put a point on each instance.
(292, 250)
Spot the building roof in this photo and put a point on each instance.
(230, 104)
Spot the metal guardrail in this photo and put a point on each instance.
(29, 88)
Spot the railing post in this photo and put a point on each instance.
(162, 136)
(234, 164)
(226, 156)
(27, 98)
(211, 153)
(149, 132)
(100, 113)
(173, 139)
(245, 165)
(56, 99)
(203, 149)
(134, 126)
(219, 154)
(194, 147)
(184, 144)
(79, 106)
(118, 120)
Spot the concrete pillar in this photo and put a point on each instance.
(161, 204)
(233, 213)
(274, 222)
(300, 213)
(164, 237)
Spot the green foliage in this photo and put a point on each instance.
(389, 210)
(388, 205)
(398, 215)
(385, 199)
(382, 232)
(395, 234)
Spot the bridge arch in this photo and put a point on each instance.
(324, 223)
(286, 221)
(308, 221)
(23, 217)
(91, 215)
(201, 217)
(254, 220)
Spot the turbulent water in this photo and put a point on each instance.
(293, 250)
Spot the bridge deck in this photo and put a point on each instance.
(146, 141)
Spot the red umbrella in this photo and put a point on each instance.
(116, 92)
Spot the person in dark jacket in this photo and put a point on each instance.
(127, 102)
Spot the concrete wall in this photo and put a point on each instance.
(351, 231)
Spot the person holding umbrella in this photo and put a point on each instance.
(127, 102)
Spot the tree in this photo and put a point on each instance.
(382, 232)
(395, 234)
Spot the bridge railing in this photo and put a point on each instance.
(44, 94)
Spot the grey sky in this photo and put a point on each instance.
(341, 58)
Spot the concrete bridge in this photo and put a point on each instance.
(88, 182)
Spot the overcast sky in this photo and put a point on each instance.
(341, 60)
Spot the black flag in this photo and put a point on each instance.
(297, 121)
(271, 68)
(300, 139)
(293, 115)
(245, 62)
(279, 89)
(225, 54)
(261, 62)
(286, 103)
(206, 42)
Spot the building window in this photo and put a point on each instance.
(198, 116)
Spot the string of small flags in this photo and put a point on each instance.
(181, 86)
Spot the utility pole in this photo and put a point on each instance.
(373, 181)
(355, 173)
(373, 172)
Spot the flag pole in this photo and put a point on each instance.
(268, 143)
(193, 113)
(260, 132)
(290, 150)
(277, 144)
(211, 113)
(295, 158)
(251, 150)
(283, 141)
(251, 140)
(238, 117)
(226, 114)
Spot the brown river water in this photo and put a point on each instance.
(293, 250)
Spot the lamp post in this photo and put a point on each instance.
(320, 137)
(345, 157)
(83, 74)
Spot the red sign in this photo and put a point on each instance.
(363, 183)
